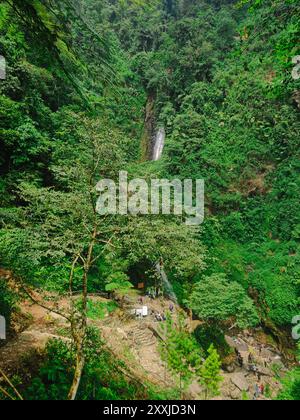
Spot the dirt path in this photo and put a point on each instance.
(34, 327)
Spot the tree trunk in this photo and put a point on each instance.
(79, 335)
(80, 361)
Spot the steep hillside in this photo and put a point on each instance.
(158, 89)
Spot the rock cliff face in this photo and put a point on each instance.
(149, 129)
(296, 97)
(153, 139)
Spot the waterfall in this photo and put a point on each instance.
(159, 144)
(166, 282)
(156, 155)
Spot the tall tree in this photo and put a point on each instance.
(180, 352)
(210, 377)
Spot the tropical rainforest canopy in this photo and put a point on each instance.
(87, 85)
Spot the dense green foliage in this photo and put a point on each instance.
(8, 302)
(228, 301)
(72, 111)
(291, 386)
(104, 378)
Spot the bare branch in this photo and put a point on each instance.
(11, 385)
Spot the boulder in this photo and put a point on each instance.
(235, 394)
(264, 371)
(237, 343)
(245, 356)
(229, 368)
(240, 381)
(241, 346)
(230, 341)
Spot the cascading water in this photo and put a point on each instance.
(166, 282)
(159, 144)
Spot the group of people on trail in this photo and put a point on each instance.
(259, 391)
(160, 317)
(152, 294)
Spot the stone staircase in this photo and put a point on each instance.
(142, 336)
